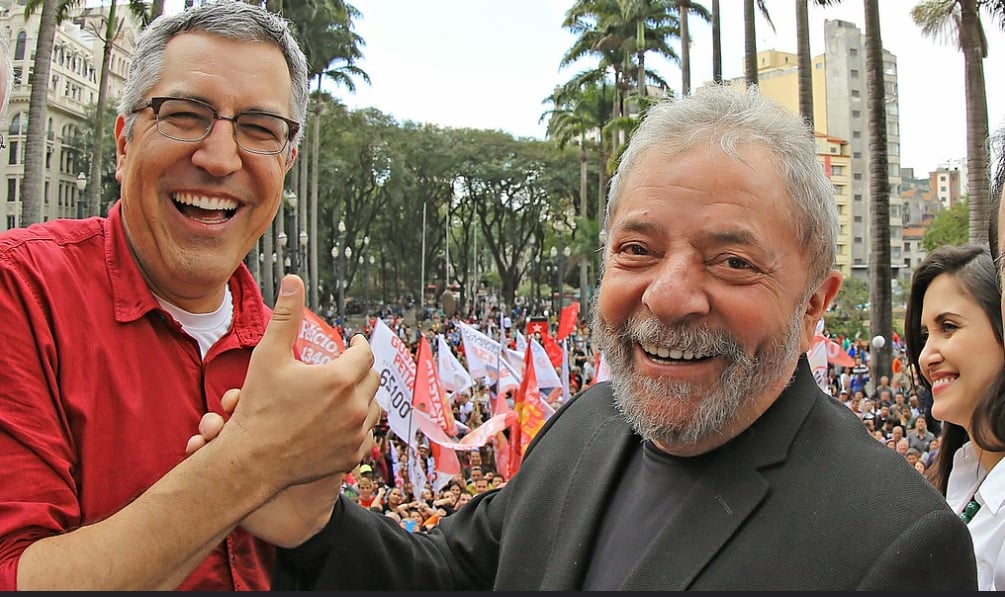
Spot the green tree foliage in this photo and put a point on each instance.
(849, 314)
(950, 227)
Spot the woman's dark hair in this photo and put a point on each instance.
(996, 174)
(974, 270)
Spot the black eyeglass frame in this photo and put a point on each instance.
(155, 104)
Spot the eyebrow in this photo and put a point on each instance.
(716, 237)
(206, 100)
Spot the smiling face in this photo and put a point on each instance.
(702, 311)
(192, 211)
(961, 354)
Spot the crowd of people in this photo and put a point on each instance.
(158, 432)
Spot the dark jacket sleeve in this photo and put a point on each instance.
(362, 550)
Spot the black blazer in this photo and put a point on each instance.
(804, 499)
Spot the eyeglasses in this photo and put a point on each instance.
(191, 120)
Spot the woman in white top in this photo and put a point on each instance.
(953, 331)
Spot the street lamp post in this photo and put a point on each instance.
(302, 240)
(336, 263)
(81, 185)
(281, 241)
(345, 274)
(566, 251)
(557, 280)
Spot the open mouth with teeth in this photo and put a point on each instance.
(209, 210)
(672, 355)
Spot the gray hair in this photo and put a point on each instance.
(7, 72)
(226, 18)
(730, 117)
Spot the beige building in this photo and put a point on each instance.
(72, 96)
(839, 114)
(835, 157)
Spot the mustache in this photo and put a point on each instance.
(699, 339)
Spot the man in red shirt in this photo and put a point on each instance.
(119, 333)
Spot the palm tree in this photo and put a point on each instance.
(959, 21)
(616, 32)
(580, 113)
(716, 44)
(111, 32)
(146, 11)
(325, 31)
(880, 296)
(804, 60)
(684, 8)
(52, 13)
(750, 38)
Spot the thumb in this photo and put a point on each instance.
(284, 326)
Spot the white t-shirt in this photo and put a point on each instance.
(206, 328)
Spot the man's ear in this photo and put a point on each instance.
(121, 145)
(817, 305)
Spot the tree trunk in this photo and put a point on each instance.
(584, 282)
(685, 49)
(97, 146)
(805, 62)
(35, 144)
(977, 120)
(268, 268)
(749, 44)
(880, 307)
(315, 153)
(716, 44)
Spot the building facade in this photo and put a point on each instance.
(71, 100)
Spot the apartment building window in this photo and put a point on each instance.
(12, 157)
(20, 45)
(854, 73)
(856, 154)
(853, 51)
(858, 240)
(857, 176)
(856, 113)
(858, 197)
(858, 219)
(856, 134)
(837, 170)
(856, 94)
(11, 222)
(11, 190)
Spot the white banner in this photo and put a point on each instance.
(454, 377)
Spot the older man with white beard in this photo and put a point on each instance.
(712, 461)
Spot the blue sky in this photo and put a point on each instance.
(490, 63)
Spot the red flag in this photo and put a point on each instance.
(836, 354)
(428, 395)
(567, 321)
(529, 412)
(318, 342)
(555, 354)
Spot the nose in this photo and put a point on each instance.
(929, 356)
(218, 152)
(678, 289)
